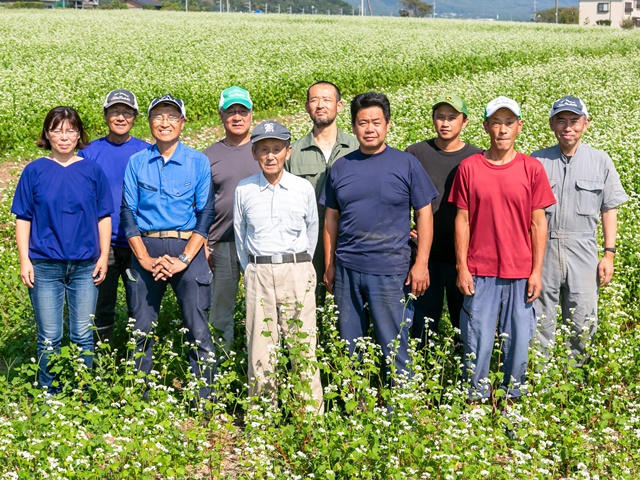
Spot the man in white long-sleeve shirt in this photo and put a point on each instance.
(276, 227)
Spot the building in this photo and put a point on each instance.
(608, 12)
(137, 4)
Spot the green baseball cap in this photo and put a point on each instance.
(233, 95)
(454, 100)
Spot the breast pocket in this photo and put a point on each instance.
(588, 197)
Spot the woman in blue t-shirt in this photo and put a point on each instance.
(63, 229)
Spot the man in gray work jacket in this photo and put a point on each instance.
(587, 187)
(313, 155)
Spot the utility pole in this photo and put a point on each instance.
(534, 10)
(249, 6)
(266, 8)
(186, 5)
(434, 8)
(556, 11)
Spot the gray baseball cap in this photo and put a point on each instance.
(121, 96)
(270, 129)
(171, 100)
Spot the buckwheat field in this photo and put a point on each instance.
(575, 423)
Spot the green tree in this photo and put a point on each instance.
(565, 15)
(415, 8)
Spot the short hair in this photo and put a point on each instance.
(368, 100)
(56, 117)
(287, 143)
(324, 82)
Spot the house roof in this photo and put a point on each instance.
(153, 3)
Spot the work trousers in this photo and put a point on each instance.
(119, 262)
(224, 289)
(192, 287)
(569, 279)
(502, 302)
(281, 305)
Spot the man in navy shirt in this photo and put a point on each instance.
(368, 195)
(112, 154)
(167, 209)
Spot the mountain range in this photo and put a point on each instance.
(516, 10)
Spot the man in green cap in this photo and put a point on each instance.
(440, 157)
(230, 160)
(313, 155)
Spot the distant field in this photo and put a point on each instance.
(574, 424)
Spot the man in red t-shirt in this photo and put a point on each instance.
(500, 233)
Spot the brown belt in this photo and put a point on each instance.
(179, 234)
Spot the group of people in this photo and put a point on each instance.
(389, 233)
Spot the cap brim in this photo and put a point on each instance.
(577, 111)
(231, 102)
(267, 136)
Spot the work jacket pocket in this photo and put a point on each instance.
(589, 197)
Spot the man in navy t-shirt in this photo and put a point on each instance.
(112, 154)
(369, 195)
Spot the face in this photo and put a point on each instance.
(271, 154)
(448, 122)
(568, 128)
(323, 106)
(236, 120)
(63, 138)
(371, 128)
(120, 118)
(166, 123)
(503, 127)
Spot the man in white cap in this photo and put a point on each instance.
(276, 226)
(231, 161)
(112, 153)
(587, 187)
(500, 232)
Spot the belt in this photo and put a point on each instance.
(281, 258)
(180, 234)
(567, 234)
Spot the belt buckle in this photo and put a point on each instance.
(162, 233)
(276, 258)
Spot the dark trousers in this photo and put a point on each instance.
(119, 262)
(381, 298)
(192, 287)
(429, 306)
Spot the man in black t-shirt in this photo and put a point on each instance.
(440, 157)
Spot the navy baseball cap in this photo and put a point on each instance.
(171, 100)
(569, 104)
(270, 129)
(121, 96)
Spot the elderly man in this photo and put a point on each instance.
(231, 161)
(368, 195)
(112, 154)
(166, 213)
(276, 226)
(440, 157)
(313, 155)
(587, 187)
(500, 232)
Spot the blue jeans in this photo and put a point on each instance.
(443, 279)
(193, 292)
(503, 299)
(388, 308)
(55, 280)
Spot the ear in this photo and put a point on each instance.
(485, 125)
(520, 123)
(339, 105)
(587, 122)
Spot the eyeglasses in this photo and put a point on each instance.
(233, 113)
(161, 116)
(125, 113)
(60, 133)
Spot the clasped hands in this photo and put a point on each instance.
(164, 267)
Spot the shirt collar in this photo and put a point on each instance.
(175, 158)
(308, 141)
(284, 182)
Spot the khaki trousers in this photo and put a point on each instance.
(280, 300)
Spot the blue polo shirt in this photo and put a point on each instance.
(172, 195)
(113, 158)
(374, 195)
(63, 205)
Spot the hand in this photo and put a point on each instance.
(147, 263)
(329, 277)
(534, 287)
(26, 273)
(413, 234)
(209, 259)
(419, 279)
(165, 267)
(100, 270)
(465, 282)
(605, 270)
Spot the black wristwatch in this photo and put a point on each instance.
(184, 259)
(610, 249)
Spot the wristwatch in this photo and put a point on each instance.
(184, 259)
(610, 249)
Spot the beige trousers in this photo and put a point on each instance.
(281, 305)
